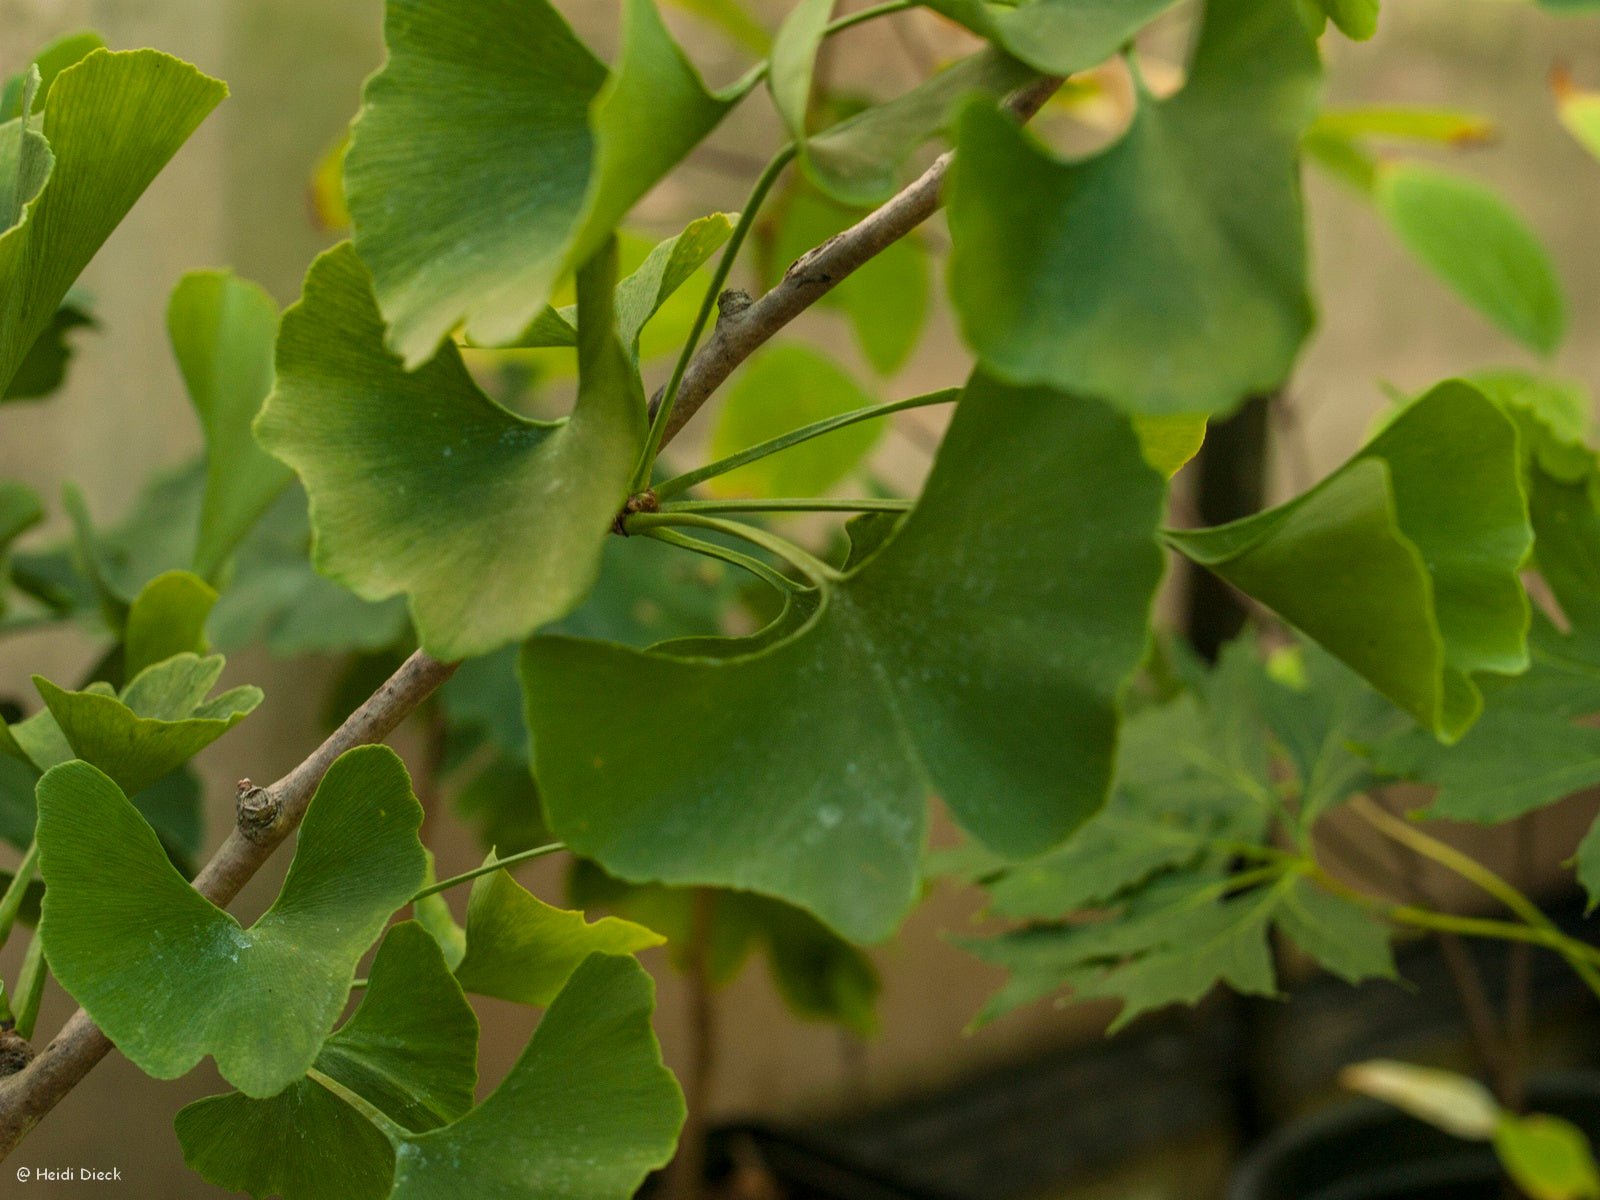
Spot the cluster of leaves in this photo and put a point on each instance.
(362, 492)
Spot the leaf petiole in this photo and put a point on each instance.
(682, 483)
(16, 890)
(385, 1125)
(813, 568)
(722, 553)
(509, 860)
(788, 505)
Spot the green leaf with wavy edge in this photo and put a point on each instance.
(223, 330)
(1058, 37)
(586, 1112)
(521, 949)
(493, 154)
(419, 481)
(1534, 744)
(113, 122)
(1404, 563)
(166, 618)
(1477, 244)
(159, 721)
(1003, 700)
(410, 1048)
(44, 369)
(51, 61)
(859, 160)
(1205, 302)
(172, 978)
(779, 389)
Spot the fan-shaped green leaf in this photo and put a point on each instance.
(584, 1114)
(1404, 563)
(172, 978)
(160, 720)
(113, 121)
(51, 61)
(493, 155)
(1002, 697)
(410, 1049)
(1204, 301)
(521, 949)
(418, 481)
(1059, 37)
(223, 329)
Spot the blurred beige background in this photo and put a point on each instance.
(236, 196)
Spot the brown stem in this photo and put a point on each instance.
(31, 1093)
(739, 333)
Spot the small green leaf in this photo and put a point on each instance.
(521, 949)
(498, 99)
(419, 481)
(1473, 241)
(1169, 443)
(1005, 703)
(1356, 19)
(160, 720)
(1341, 935)
(1058, 37)
(1205, 301)
(585, 1114)
(172, 978)
(223, 329)
(1460, 1106)
(1580, 113)
(780, 389)
(113, 122)
(1404, 563)
(409, 1048)
(167, 617)
(1547, 1157)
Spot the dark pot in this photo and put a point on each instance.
(1368, 1151)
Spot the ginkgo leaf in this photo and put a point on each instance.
(44, 369)
(1058, 37)
(159, 721)
(418, 481)
(172, 978)
(166, 618)
(1404, 563)
(51, 61)
(494, 154)
(793, 62)
(1479, 246)
(1356, 19)
(521, 949)
(223, 329)
(585, 1114)
(1205, 301)
(410, 1049)
(112, 123)
(805, 760)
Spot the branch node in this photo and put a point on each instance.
(731, 305)
(256, 812)
(16, 1051)
(643, 502)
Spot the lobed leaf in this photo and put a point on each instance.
(1057, 37)
(418, 481)
(494, 154)
(172, 978)
(1404, 563)
(1205, 301)
(804, 760)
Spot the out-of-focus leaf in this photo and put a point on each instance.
(167, 617)
(44, 369)
(51, 61)
(1058, 37)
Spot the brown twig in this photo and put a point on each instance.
(32, 1092)
(739, 334)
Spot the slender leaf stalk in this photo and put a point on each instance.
(17, 890)
(812, 567)
(386, 1126)
(722, 553)
(682, 483)
(719, 279)
(30, 987)
(509, 860)
(788, 505)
